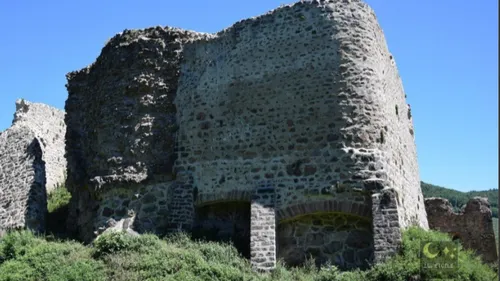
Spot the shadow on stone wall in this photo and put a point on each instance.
(224, 222)
(336, 238)
(56, 223)
(36, 207)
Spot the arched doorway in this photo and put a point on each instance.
(336, 238)
(227, 221)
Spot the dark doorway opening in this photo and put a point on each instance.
(224, 222)
(456, 238)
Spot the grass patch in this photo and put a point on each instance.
(117, 257)
(26, 257)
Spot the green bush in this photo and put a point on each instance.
(147, 257)
(115, 242)
(406, 265)
(58, 198)
(16, 244)
(29, 258)
(119, 257)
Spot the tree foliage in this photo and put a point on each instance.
(458, 199)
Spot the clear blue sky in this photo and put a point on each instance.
(446, 51)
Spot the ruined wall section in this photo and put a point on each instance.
(48, 124)
(32, 164)
(473, 226)
(272, 99)
(121, 119)
(297, 101)
(399, 137)
(120, 108)
(23, 200)
(298, 97)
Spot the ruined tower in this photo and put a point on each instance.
(287, 133)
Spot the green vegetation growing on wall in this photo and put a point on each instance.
(57, 205)
(57, 199)
(117, 256)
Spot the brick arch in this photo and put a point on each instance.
(217, 197)
(306, 208)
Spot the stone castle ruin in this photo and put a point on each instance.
(32, 164)
(472, 226)
(287, 133)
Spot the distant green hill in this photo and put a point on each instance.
(458, 198)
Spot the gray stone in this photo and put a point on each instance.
(473, 226)
(48, 125)
(333, 247)
(23, 200)
(265, 105)
(359, 239)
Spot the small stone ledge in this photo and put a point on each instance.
(354, 208)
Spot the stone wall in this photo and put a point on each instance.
(23, 201)
(147, 204)
(48, 124)
(121, 120)
(303, 97)
(268, 99)
(303, 104)
(32, 164)
(397, 134)
(335, 238)
(386, 224)
(473, 226)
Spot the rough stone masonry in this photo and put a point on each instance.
(472, 226)
(32, 163)
(288, 132)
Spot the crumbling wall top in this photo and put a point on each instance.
(121, 119)
(47, 123)
(472, 225)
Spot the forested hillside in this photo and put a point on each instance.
(458, 198)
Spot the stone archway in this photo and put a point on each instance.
(337, 233)
(224, 221)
